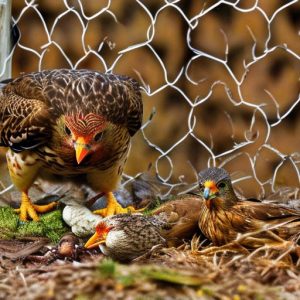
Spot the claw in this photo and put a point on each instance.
(102, 212)
(27, 209)
(114, 208)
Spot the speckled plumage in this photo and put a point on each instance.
(227, 215)
(37, 110)
(132, 235)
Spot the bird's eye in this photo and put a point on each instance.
(67, 130)
(221, 185)
(98, 136)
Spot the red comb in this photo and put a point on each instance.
(102, 228)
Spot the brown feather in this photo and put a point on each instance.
(182, 215)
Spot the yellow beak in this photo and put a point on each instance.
(82, 148)
(94, 241)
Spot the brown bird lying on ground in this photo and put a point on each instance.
(225, 216)
(125, 237)
(68, 125)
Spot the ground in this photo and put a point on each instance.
(45, 261)
(31, 269)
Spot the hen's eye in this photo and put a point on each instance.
(98, 136)
(221, 185)
(67, 130)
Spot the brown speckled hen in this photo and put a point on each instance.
(225, 216)
(73, 124)
(125, 237)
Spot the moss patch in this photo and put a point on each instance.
(51, 225)
(8, 223)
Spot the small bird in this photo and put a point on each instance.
(68, 125)
(127, 236)
(224, 216)
(124, 237)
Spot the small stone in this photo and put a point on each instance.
(81, 220)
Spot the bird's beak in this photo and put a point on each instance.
(82, 149)
(209, 193)
(94, 241)
(99, 236)
(206, 193)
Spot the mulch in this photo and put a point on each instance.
(31, 269)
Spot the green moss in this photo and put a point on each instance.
(30, 228)
(54, 226)
(55, 235)
(8, 223)
(52, 220)
(51, 225)
(8, 219)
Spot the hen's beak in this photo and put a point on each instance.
(82, 149)
(94, 241)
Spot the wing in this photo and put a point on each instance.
(282, 221)
(266, 212)
(182, 214)
(24, 120)
(118, 98)
(135, 110)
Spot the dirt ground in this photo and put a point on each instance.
(31, 269)
(38, 268)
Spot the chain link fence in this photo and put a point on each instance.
(220, 79)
